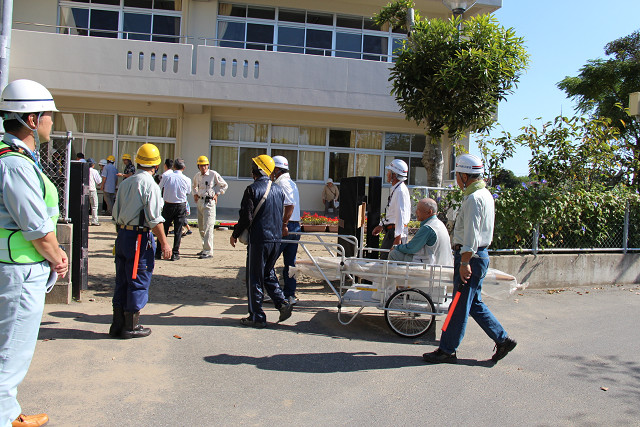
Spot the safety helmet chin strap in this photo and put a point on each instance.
(17, 116)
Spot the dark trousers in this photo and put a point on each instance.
(387, 242)
(132, 295)
(261, 277)
(176, 214)
(289, 252)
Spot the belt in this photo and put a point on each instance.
(458, 247)
(133, 228)
(171, 203)
(389, 226)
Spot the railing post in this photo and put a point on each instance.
(536, 234)
(625, 229)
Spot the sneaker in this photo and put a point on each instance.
(205, 256)
(200, 253)
(187, 233)
(95, 223)
(246, 321)
(503, 348)
(285, 311)
(293, 300)
(440, 356)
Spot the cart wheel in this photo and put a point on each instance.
(409, 324)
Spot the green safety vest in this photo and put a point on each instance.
(20, 250)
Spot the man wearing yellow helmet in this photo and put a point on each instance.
(29, 251)
(137, 213)
(207, 186)
(129, 169)
(261, 212)
(109, 181)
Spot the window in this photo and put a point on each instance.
(246, 162)
(290, 39)
(224, 160)
(157, 20)
(340, 138)
(340, 165)
(311, 166)
(292, 158)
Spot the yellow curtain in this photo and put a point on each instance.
(313, 136)
(284, 134)
(368, 139)
(224, 160)
(98, 149)
(311, 166)
(99, 123)
(132, 125)
(63, 122)
(162, 127)
(367, 165)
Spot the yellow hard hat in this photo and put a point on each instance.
(203, 160)
(265, 163)
(148, 155)
(126, 157)
(111, 159)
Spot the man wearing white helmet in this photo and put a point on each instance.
(94, 180)
(29, 252)
(472, 235)
(290, 223)
(398, 209)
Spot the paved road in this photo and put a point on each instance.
(311, 370)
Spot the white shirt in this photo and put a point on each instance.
(398, 209)
(291, 195)
(164, 175)
(474, 223)
(176, 187)
(210, 180)
(94, 179)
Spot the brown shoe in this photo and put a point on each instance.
(30, 420)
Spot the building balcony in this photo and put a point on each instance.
(97, 67)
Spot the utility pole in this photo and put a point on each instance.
(5, 41)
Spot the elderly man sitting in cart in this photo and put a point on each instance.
(431, 244)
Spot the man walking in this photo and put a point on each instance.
(290, 224)
(109, 181)
(398, 209)
(175, 187)
(29, 252)
(472, 235)
(431, 244)
(261, 213)
(94, 180)
(137, 213)
(207, 186)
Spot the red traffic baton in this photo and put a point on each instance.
(451, 308)
(136, 258)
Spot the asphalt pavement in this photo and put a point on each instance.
(576, 364)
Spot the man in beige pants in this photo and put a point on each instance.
(207, 186)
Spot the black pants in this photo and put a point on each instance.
(176, 214)
(387, 242)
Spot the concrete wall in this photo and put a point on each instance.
(560, 270)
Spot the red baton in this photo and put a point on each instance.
(451, 308)
(136, 258)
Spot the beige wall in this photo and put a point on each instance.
(36, 11)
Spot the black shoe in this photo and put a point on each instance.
(246, 321)
(187, 233)
(205, 256)
(199, 253)
(158, 256)
(440, 356)
(175, 257)
(503, 348)
(133, 329)
(285, 311)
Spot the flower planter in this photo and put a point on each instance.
(310, 228)
(332, 228)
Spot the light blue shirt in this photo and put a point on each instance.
(22, 205)
(176, 187)
(136, 193)
(110, 175)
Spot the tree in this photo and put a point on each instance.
(450, 75)
(602, 88)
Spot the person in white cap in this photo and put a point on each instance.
(397, 213)
(30, 256)
(472, 235)
(330, 196)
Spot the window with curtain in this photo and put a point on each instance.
(244, 132)
(63, 122)
(311, 166)
(313, 136)
(292, 158)
(132, 125)
(285, 134)
(340, 165)
(162, 127)
(371, 140)
(99, 123)
(224, 160)
(245, 162)
(98, 149)
(367, 165)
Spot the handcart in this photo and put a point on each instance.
(410, 294)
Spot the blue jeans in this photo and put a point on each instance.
(132, 295)
(22, 291)
(289, 252)
(470, 304)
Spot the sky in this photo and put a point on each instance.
(560, 37)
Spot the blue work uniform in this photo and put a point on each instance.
(263, 250)
(22, 286)
(138, 193)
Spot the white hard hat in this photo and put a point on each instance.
(281, 162)
(103, 162)
(26, 96)
(469, 164)
(399, 167)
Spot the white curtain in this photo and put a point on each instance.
(311, 166)
(224, 160)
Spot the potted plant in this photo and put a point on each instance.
(332, 225)
(313, 223)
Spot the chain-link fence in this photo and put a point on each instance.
(55, 158)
